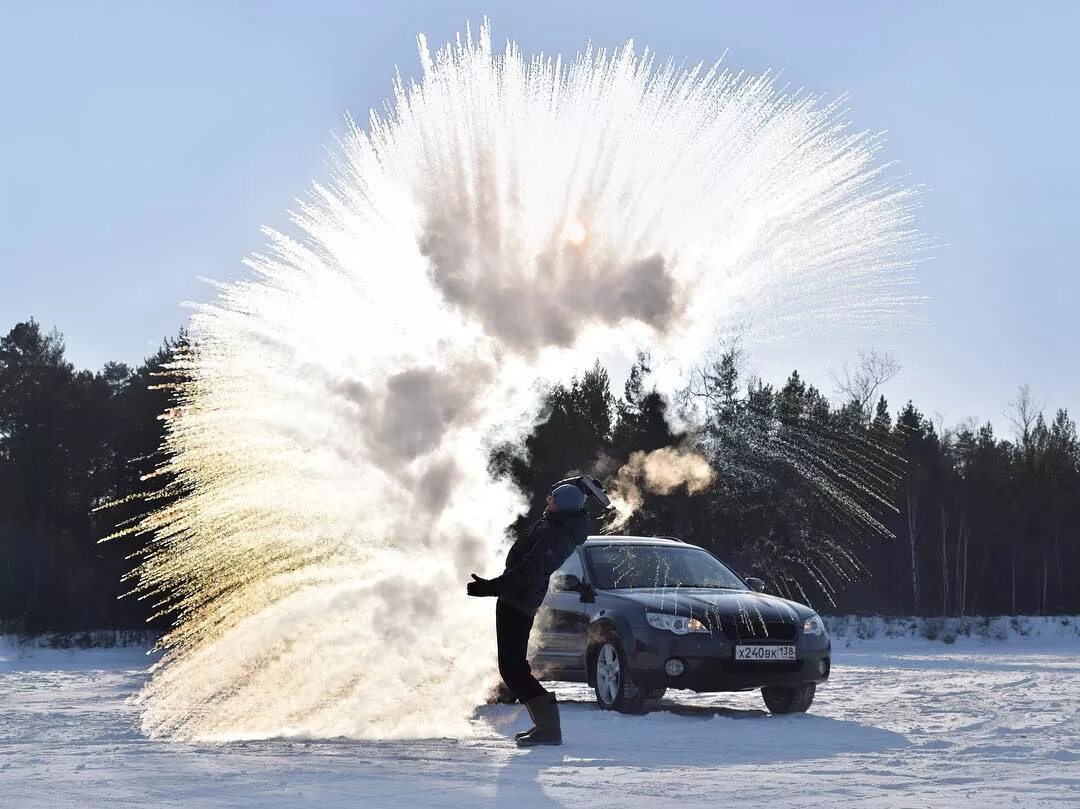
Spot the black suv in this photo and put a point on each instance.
(634, 616)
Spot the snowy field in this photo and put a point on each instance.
(903, 722)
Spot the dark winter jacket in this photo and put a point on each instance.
(539, 552)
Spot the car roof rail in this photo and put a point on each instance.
(631, 538)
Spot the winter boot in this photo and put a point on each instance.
(532, 715)
(545, 712)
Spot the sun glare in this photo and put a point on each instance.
(575, 232)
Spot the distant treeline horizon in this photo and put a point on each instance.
(842, 504)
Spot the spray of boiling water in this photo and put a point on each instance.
(661, 471)
(506, 220)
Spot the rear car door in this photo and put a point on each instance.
(561, 626)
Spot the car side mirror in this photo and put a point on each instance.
(756, 584)
(565, 583)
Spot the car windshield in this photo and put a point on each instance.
(618, 567)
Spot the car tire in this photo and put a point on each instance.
(615, 687)
(782, 699)
(655, 693)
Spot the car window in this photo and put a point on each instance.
(573, 566)
(624, 566)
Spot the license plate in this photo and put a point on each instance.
(765, 654)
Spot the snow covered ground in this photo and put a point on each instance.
(905, 722)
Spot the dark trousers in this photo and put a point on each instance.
(512, 628)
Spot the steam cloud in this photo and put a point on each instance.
(329, 458)
(659, 472)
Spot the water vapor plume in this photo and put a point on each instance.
(661, 471)
(506, 219)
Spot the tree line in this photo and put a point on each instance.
(841, 505)
(837, 503)
(71, 443)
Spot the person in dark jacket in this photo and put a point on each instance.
(521, 588)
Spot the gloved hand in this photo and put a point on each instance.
(481, 587)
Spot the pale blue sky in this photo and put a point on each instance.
(143, 145)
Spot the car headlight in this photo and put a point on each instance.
(813, 625)
(675, 623)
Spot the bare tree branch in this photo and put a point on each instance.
(861, 384)
(1022, 413)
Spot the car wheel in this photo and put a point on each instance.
(615, 686)
(788, 699)
(655, 693)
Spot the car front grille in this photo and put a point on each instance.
(756, 629)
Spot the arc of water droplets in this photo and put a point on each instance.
(505, 221)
